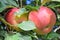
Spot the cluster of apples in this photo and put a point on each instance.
(44, 19)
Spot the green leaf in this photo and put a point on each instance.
(58, 16)
(12, 37)
(27, 25)
(12, 2)
(17, 36)
(2, 6)
(56, 0)
(26, 37)
(2, 33)
(7, 3)
(29, 7)
(53, 4)
(53, 35)
(1, 38)
(57, 23)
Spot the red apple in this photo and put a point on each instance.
(44, 19)
(12, 18)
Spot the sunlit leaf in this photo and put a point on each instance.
(17, 36)
(12, 2)
(7, 3)
(27, 25)
(2, 6)
(56, 0)
(53, 35)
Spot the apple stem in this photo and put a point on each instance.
(9, 25)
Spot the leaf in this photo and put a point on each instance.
(2, 6)
(53, 4)
(17, 36)
(7, 3)
(58, 17)
(12, 2)
(1, 38)
(2, 33)
(53, 35)
(56, 0)
(29, 7)
(12, 37)
(27, 25)
(25, 38)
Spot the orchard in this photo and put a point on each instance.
(29, 19)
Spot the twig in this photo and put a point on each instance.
(9, 25)
(57, 29)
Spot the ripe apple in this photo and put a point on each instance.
(12, 17)
(44, 19)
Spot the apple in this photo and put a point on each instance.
(14, 19)
(44, 19)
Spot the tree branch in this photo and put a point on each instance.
(9, 25)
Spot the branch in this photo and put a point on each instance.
(9, 25)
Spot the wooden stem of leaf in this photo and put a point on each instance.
(9, 25)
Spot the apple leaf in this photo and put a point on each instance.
(26, 37)
(53, 35)
(56, 0)
(12, 2)
(2, 6)
(53, 4)
(6, 3)
(29, 7)
(27, 25)
(17, 36)
(1, 38)
(58, 16)
(2, 34)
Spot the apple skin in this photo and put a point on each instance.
(11, 18)
(44, 19)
